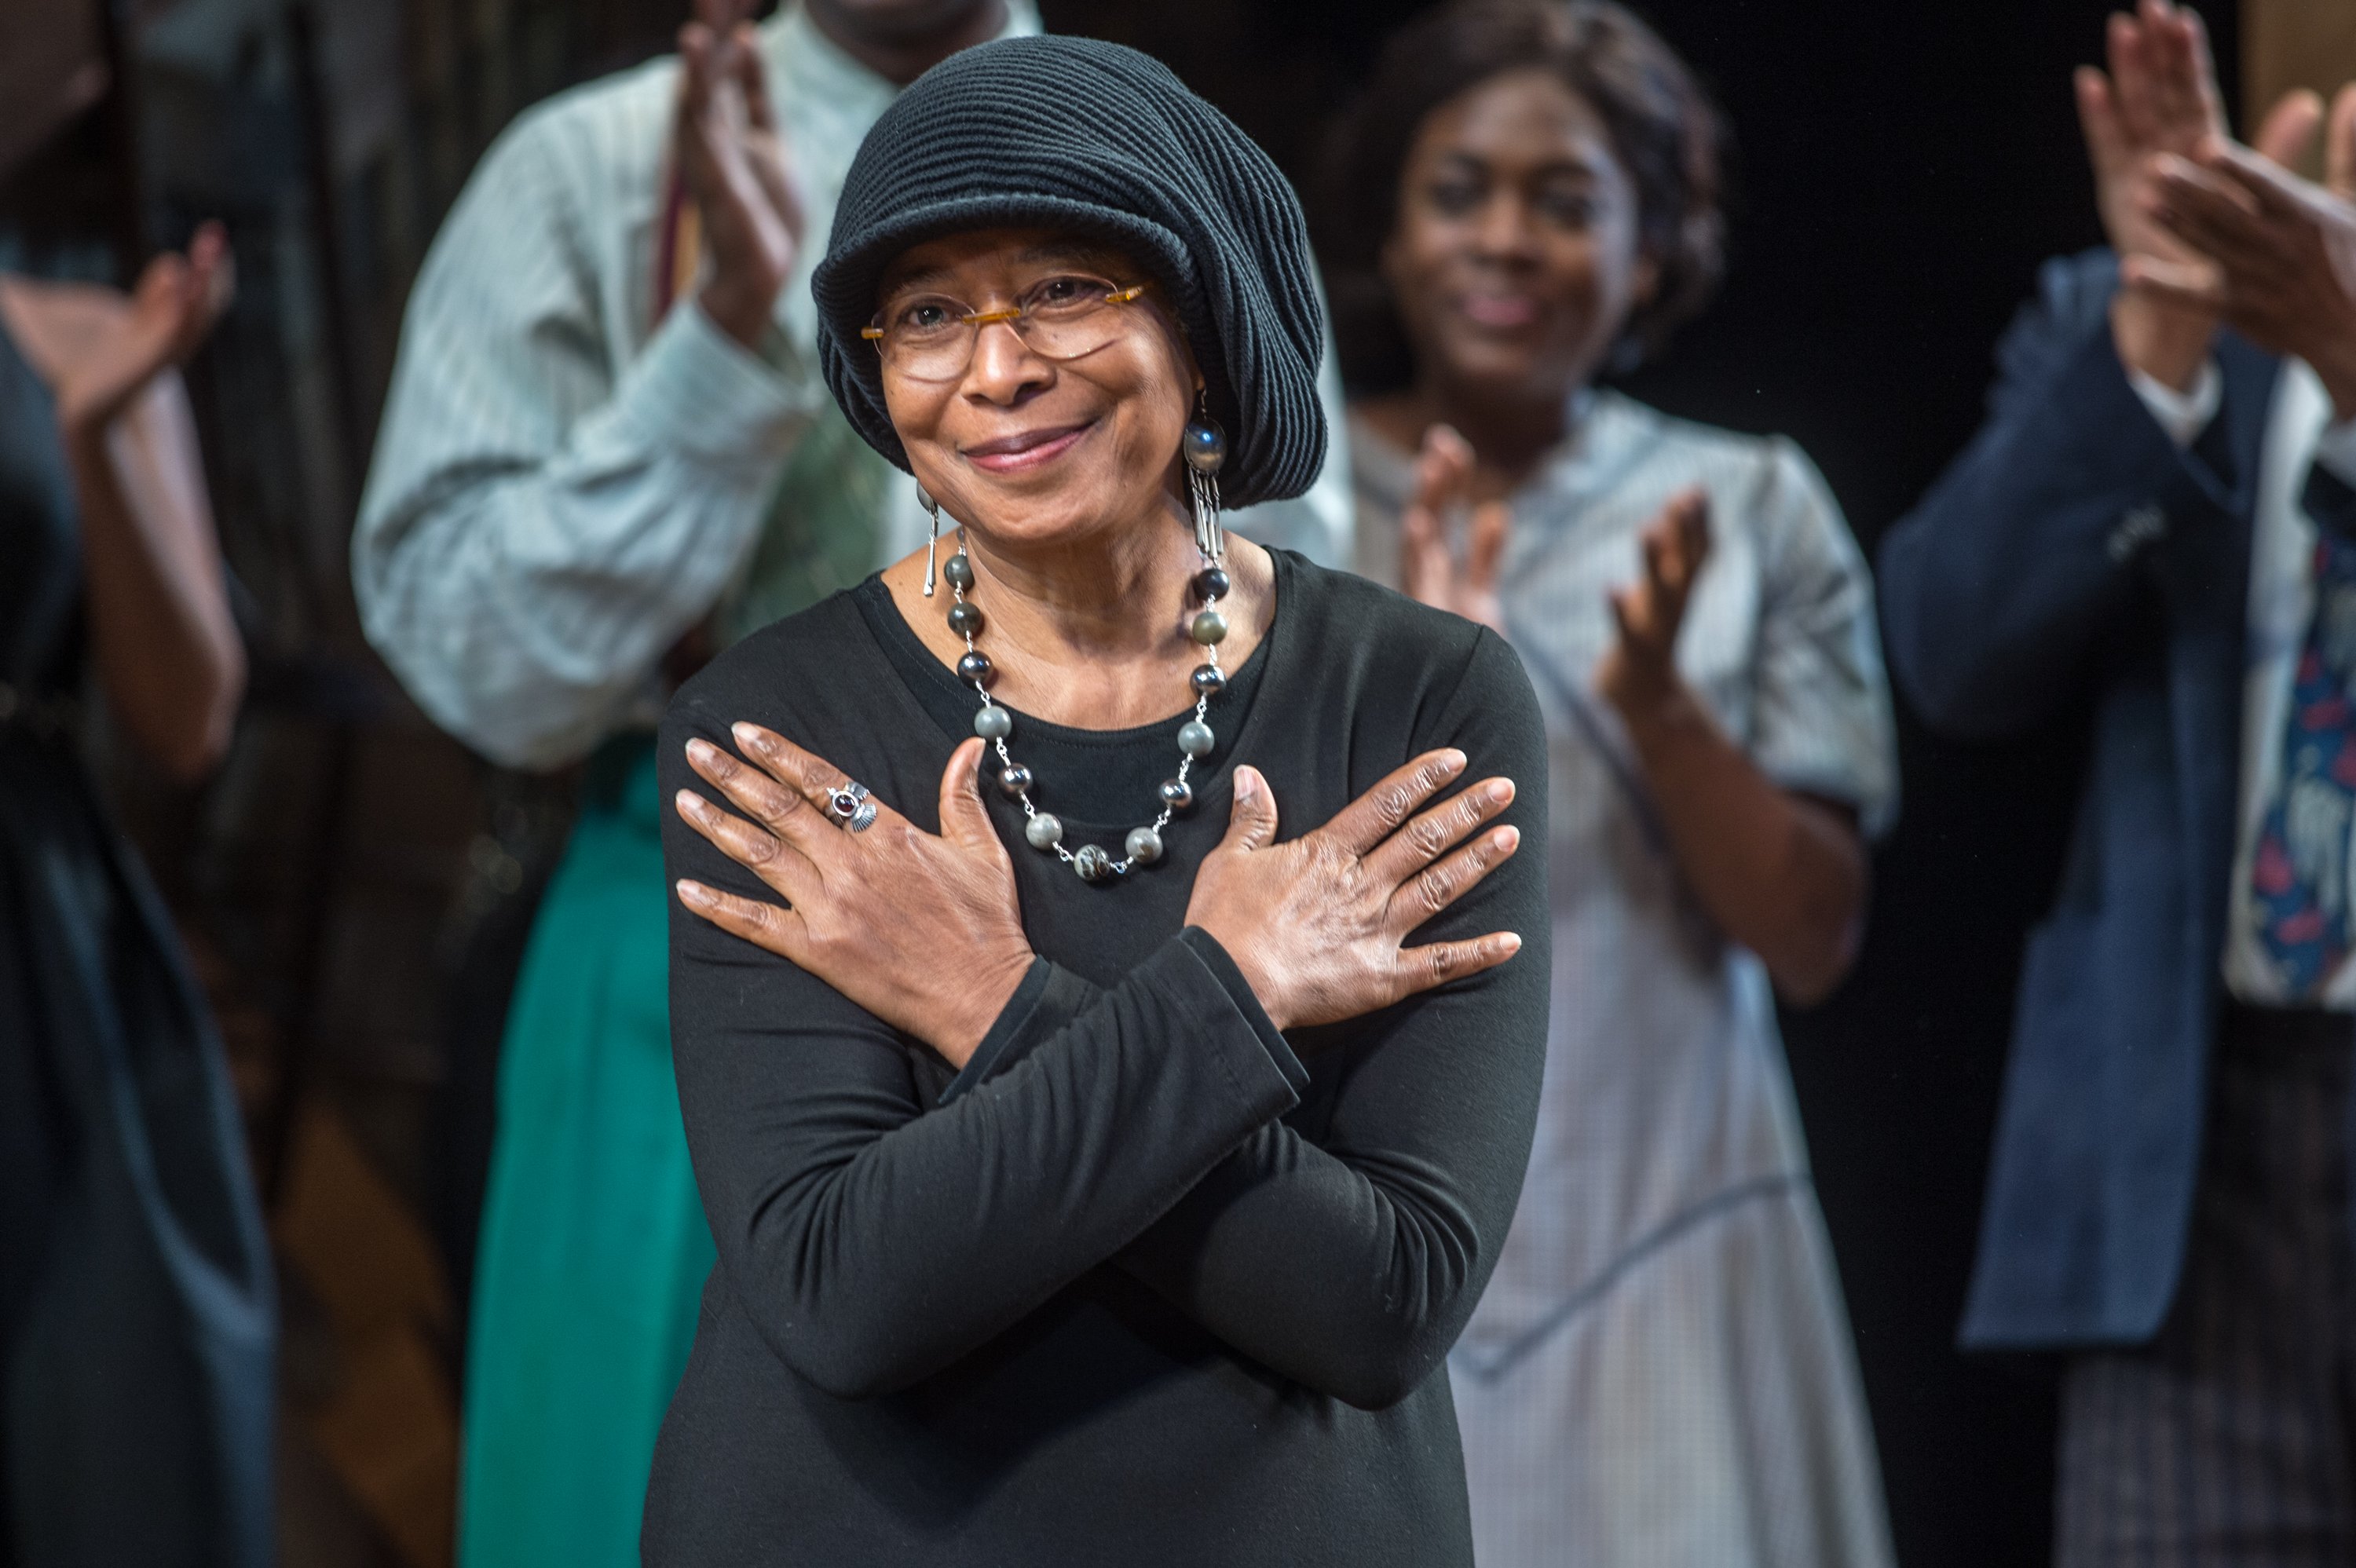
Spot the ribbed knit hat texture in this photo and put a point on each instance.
(1088, 136)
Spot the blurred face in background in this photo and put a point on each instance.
(888, 23)
(1514, 263)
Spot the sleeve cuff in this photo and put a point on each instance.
(1050, 997)
(1206, 946)
(2184, 415)
(697, 389)
(1011, 1026)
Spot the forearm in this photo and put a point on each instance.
(1777, 873)
(525, 594)
(1351, 1284)
(2165, 343)
(166, 648)
(872, 1256)
(1351, 1280)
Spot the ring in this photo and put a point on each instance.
(849, 806)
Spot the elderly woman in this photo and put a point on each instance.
(1661, 1372)
(1100, 1165)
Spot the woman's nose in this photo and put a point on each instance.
(1503, 227)
(1003, 365)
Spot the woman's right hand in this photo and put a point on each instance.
(1431, 572)
(1316, 925)
(121, 351)
(921, 929)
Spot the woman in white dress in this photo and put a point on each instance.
(1661, 1372)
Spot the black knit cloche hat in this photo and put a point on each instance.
(1076, 134)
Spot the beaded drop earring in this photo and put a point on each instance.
(1205, 447)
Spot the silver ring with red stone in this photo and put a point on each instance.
(849, 806)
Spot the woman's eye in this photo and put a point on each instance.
(1065, 293)
(1569, 209)
(1453, 198)
(926, 315)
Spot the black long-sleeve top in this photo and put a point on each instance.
(1146, 1282)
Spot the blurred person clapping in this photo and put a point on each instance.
(136, 1317)
(2153, 539)
(1530, 200)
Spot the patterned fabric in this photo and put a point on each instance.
(1660, 1372)
(2300, 871)
(2229, 1439)
(2291, 646)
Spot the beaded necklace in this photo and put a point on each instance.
(1044, 830)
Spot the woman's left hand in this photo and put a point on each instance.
(1639, 674)
(922, 930)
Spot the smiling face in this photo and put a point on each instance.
(1026, 449)
(1514, 263)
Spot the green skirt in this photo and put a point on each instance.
(593, 1245)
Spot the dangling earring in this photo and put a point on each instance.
(932, 545)
(1205, 447)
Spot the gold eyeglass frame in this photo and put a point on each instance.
(978, 319)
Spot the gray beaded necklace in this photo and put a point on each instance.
(1044, 830)
(1204, 446)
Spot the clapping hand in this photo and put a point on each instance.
(731, 161)
(171, 310)
(2160, 99)
(1430, 571)
(2274, 255)
(1639, 674)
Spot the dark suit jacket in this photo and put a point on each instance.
(2072, 554)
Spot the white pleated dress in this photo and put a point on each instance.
(1660, 1375)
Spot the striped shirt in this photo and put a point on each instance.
(564, 484)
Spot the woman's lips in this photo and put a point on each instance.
(1499, 311)
(1013, 453)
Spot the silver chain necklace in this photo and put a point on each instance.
(995, 723)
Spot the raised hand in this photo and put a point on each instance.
(171, 310)
(732, 160)
(1316, 925)
(2274, 255)
(1431, 569)
(2160, 96)
(1640, 671)
(2160, 99)
(923, 930)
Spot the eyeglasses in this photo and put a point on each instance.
(930, 338)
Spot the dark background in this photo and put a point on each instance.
(353, 884)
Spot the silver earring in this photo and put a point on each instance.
(932, 545)
(1205, 447)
